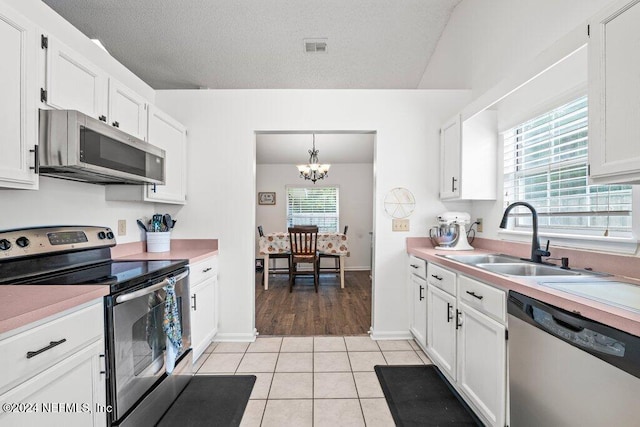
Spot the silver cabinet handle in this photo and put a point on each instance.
(150, 289)
(195, 301)
(449, 315)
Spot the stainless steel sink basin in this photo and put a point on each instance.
(526, 269)
(483, 259)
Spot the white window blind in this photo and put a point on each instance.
(545, 164)
(313, 206)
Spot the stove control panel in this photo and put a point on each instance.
(26, 242)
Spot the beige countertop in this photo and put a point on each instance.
(619, 318)
(24, 304)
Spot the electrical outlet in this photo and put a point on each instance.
(400, 225)
(122, 227)
(479, 221)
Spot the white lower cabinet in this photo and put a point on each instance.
(418, 293)
(204, 304)
(467, 340)
(442, 329)
(63, 383)
(482, 363)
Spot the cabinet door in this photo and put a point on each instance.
(614, 94)
(450, 142)
(73, 82)
(441, 327)
(127, 110)
(419, 323)
(171, 136)
(18, 118)
(70, 393)
(482, 363)
(202, 316)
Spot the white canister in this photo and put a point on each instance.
(159, 241)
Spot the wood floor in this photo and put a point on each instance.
(332, 311)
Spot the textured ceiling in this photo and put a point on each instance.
(247, 44)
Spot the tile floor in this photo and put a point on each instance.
(312, 381)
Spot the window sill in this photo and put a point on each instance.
(619, 245)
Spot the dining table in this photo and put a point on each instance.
(278, 242)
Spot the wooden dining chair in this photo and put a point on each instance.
(274, 257)
(336, 258)
(304, 250)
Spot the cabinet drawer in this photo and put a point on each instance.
(441, 278)
(202, 270)
(482, 297)
(418, 266)
(77, 329)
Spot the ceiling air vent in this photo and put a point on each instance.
(315, 45)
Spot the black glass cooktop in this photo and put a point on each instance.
(117, 274)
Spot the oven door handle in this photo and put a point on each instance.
(150, 289)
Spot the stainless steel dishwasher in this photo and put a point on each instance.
(565, 370)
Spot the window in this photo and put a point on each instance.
(313, 206)
(545, 164)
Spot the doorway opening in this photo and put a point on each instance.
(345, 197)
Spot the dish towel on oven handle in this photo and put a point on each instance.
(171, 325)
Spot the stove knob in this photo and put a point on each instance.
(5, 245)
(23, 242)
(101, 235)
(110, 235)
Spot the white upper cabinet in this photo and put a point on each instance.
(468, 157)
(18, 109)
(127, 110)
(73, 82)
(614, 94)
(450, 143)
(166, 133)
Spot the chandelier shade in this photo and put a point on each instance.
(313, 171)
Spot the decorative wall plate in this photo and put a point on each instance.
(399, 203)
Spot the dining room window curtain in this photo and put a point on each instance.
(314, 206)
(545, 164)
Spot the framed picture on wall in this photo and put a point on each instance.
(267, 198)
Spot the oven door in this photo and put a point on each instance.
(138, 340)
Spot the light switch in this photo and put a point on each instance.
(122, 227)
(400, 225)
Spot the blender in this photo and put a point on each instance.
(451, 232)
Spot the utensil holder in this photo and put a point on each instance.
(159, 241)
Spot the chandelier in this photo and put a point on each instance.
(313, 171)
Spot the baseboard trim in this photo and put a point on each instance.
(391, 335)
(233, 337)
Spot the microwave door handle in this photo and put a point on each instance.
(148, 290)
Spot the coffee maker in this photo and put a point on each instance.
(451, 232)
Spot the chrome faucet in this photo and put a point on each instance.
(536, 252)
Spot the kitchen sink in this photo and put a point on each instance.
(483, 259)
(526, 269)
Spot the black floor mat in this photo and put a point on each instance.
(215, 400)
(420, 396)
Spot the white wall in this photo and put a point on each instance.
(485, 40)
(222, 184)
(355, 182)
(60, 202)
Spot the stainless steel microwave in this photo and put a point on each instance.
(77, 147)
